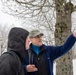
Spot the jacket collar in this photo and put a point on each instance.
(43, 47)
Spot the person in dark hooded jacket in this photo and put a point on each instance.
(10, 64)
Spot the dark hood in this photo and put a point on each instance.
(16, 41)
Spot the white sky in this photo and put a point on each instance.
(8, 19)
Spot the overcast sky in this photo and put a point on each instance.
(8, 19)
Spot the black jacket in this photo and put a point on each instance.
(9, 64)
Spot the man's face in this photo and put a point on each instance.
(36, 40)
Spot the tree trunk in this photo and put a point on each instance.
(62, 31)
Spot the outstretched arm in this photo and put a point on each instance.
(58, 51)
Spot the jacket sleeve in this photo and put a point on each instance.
(57, 51)
(24, 66)
(7, 67)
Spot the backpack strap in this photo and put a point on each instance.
(15, 55)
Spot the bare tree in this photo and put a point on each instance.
(38, 12)
(28, 8)
(4, 29)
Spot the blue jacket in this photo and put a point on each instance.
(51, 53)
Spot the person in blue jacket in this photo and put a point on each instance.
(40, 58)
